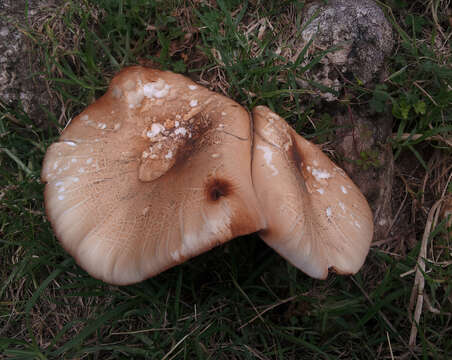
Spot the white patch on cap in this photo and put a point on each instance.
(215, 156)
(192, 87)
(75, 179)
(158, 89)
(84, 118)
(117, 126)
(181, 131)
(320, 174)
(344, 190)
(329, 212)
(70, 143)
(89, 161)
(156, 129)
(341, 205)
(320, 191)
(194, 103)
(60, 197)
(169, 154)
(175, 255)
(268, 155)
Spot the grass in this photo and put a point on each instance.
(239, 301)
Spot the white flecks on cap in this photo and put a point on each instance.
(341, 205)
(175, 255)
(181, 131)
(169, 154)
(117, 126)
(320, 174)
(70, 143)
(344, 190)
(156, 129)
(89, 161)
(60, 197)
(329, 212)
(215, 156)
(194, 103)
(268, 155)
(158, 89)
(320, 191)
(192, 87)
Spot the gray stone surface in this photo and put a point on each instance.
(362, 33)
(19, 85)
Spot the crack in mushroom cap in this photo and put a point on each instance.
(316, 216)
(148, 176)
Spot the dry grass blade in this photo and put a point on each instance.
(414, 137)
(181, 341)
(419, 280)
(390, 346)
(268, 309)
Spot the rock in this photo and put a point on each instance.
(18, 85)
(361, 142)
(361, 32)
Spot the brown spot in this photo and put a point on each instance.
(217, 188)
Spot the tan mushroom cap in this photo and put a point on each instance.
(154, 172)
(316, 216)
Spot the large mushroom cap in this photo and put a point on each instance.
(316, 217)
(149, 176)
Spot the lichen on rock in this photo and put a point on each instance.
(358, 34)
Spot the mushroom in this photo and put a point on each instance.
(316, 217)
(154, 172)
